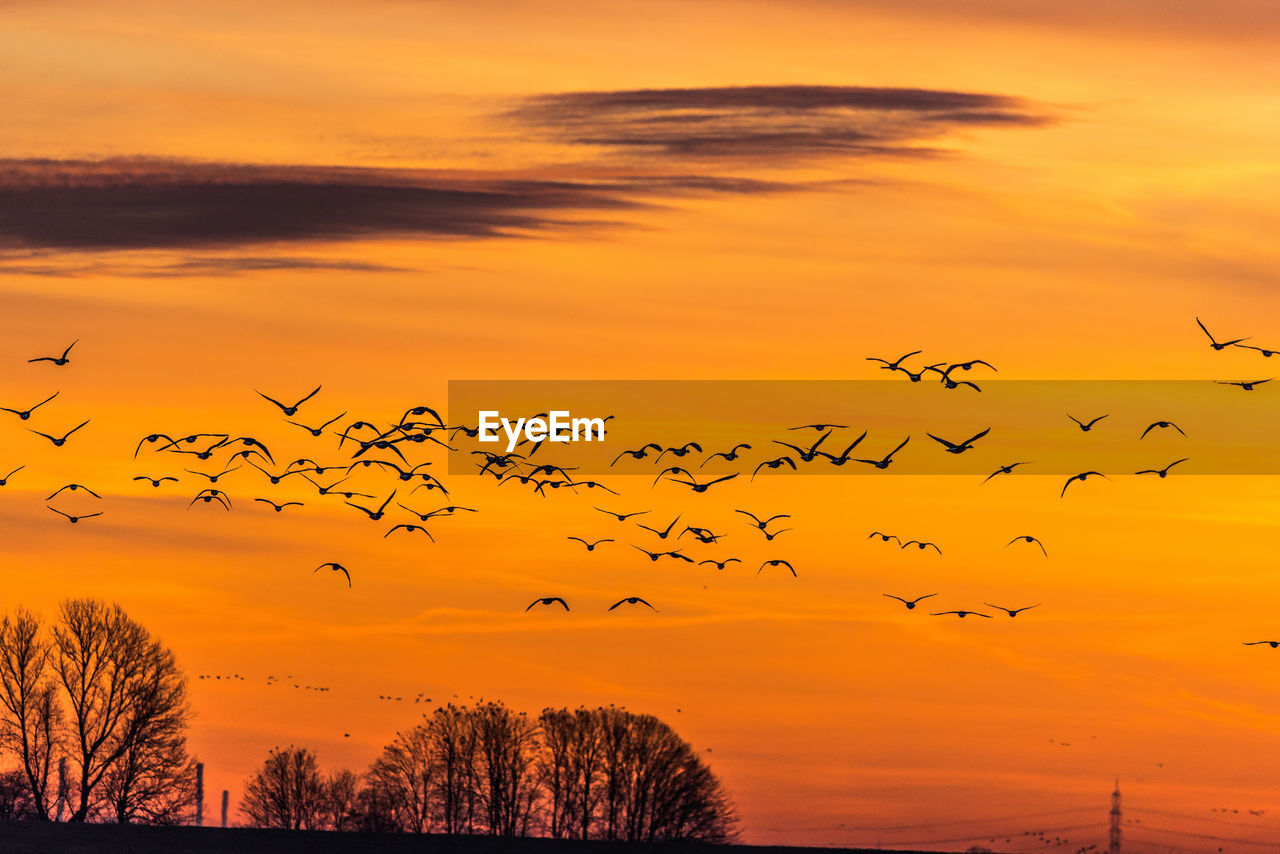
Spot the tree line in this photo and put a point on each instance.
(602, 773)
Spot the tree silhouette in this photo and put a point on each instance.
(286, 792)
(31, 715)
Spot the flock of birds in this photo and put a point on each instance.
(380, 448)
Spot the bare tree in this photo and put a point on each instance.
(338, 801)
(128, 711)
(16, 803)
(286, 792)
(30, 714)
(570, 768)
(452, 740)
(400, 781)
(505, 745)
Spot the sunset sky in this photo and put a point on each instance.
(383, 197)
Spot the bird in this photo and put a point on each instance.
(374, 515)
(1162, 424)
(151, 440)
(24, 414)
(638, 454)
(73, 519)
(910, 603)
(961, 447)
(336, 567)
(1271, 643)
(773, 464)
(702, 487)
(291, 410)
(968, 366)
(1266, 354)
(1164, 472)
(921, 545)
(410, 529)
(729, 455)
(845, 454)
(57, 360)
(884, 538)
(58, 442)
(962, 614)
(806, 455)
(1082, 477)
(589, 484)
(1012, 612)
(548, 600)
(213, 478)
(1027, 538)
(720, 564)
(630, 600)
(209, 495)
(621, 517)
(1086, 427)
(1214, 343)
(819, 427)
(762, 524)
(1006, 469)
(886, 365)
(325, 490)
(156, 481)
(1247, 385)
(888, 458)
(73, 487)
(663, 533)
(316, 431)
(279, 507)
(590, 546)
(769, 536)
(679, 451)
(777, 562)
(653, 556)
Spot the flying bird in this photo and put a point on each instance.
(1012, 612)
(410, 529)
(279, 507)
(1164, 472)
(210, 495)
(806, 455)
(374, 515)
(621, 517)
(910, 603)
(316, 431)
(884, 538)
(1266, 354)
(290, 410)
(720, 564)
(729, 455)
(921, 545)
(590, 546)
(630, 600)
(702, 487)
(773, 464)
(638, 454)
(962, 614)
(819, 427)
(1086, 427)
(762, 524)
(4, 481)
(1027, 538)
(1247, 385)
(73, 487)
(1082, 477)
(1271, 643)
(73, 519)
(156, 481)
(548, 600)
(24, 414)
(961, 447)
(58, 442)
(663, 533)
(213, 478)
(845, 454)
(336, 567)
(1007, 469)
(778, 562)
(1161, 424)
(57, 360)
(886, 365)
(679, 451)
(888, 458)
(1216, 344)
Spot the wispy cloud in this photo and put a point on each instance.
(769, 124)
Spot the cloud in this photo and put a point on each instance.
(768, 124)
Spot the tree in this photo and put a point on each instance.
(399, 782)
(286, 792)
(505, 747)
(452, 740)
(15, 796)
(30, 717)
(128, 713)
(338, 801)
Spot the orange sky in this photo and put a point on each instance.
(1133, 188)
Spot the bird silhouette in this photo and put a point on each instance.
(331, 489)
(777, 562)
(819, 427)
(316, 431)
(888, 458)
(548, 600)
(958, 447)
(374, 515)
(590, 546)
(921, 545)
(1012, 612)
(773, 464)
(336, 567)
(1247, 385)
(884, 538)
(720, 564)
(807, 455)
(279, 507)
(57, 441)
(621, 517)
(910, 603)
(1006, 469)
(1164, 472)
(1160, 424)
(1271, 643)
(729, 455)
(74, 487)
(702, 487)
(73, 519)
(1216, 344)
(630, 600)
(886, 365)
(213, 478)
(57, 360)
(665, 531)
(410, 529)
(156, 481)
(1027, 538)
(962, 614)
(678, 451)
(1082, 477)
(845, 454)
(210, 495)
(24, 414)
(762, 524)
(290, 410)
(1266, 354)
(1085, 427)
(638, 454)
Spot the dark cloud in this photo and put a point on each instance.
(768, 124)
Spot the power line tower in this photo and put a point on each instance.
(1114, 845)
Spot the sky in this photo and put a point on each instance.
(384, 197)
